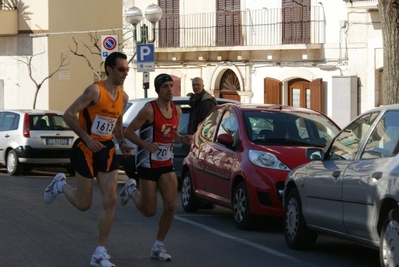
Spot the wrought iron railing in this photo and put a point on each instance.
(262, 27)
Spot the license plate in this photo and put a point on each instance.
(57, 141)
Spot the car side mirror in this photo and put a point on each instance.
(314, 153)
(225, 139)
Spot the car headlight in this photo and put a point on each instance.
(266, 160)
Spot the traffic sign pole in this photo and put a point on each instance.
(146, 82)
(145, 62)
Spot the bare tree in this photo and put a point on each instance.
(94, 49)
(28, 62)
(389, 12)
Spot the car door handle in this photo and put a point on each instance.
(376, 175)
(7, 135)
(336, 174)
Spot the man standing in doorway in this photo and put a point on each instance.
(100, 110)
(201, 103)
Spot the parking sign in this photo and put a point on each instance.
(145, 57)
(109, 44)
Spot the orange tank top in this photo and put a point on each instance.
(99, 120)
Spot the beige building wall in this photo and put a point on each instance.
(46, 30)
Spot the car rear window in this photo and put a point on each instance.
(48, 122)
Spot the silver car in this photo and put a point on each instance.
(351, 188)
(30, 138)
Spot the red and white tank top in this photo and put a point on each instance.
(161, 131)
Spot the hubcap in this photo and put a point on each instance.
(10, 162)
(186, 191)
(239, 205)
(292, 218)
(390, 245)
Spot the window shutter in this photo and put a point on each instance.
(316, 95)
(296, 21)
(272, 91)
(169, 24)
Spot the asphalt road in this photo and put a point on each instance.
(35, 234)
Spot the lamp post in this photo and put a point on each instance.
(153, 13)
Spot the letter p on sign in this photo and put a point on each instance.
(145, 53)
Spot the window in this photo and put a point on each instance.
(382, 141)
(228, 23)
(209, 126)
(169, 25)
(346, 144)
(9, 121)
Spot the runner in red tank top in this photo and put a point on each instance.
(158, 122)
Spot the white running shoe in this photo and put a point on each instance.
(124, 193)
(51, 191)
(159, 253)
(101, 259)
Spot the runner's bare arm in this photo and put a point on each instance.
(89, 97)
(145, 116)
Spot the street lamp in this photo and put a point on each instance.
(153, 13)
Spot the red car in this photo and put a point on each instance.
(241, 155)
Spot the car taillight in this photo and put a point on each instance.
(26, 127)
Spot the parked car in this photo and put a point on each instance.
(242, 154)
(351, 188)
(128, 164)
(31, 138)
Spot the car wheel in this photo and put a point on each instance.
(14, 167)
(389, 254)
(188, 200)
(296, 232)
(241, 208)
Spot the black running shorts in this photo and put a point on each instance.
(87, 163)
(153, 174)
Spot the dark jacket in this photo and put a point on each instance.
(200, 107)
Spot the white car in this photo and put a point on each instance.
(31, 138)
(180, 151)
(351, 188)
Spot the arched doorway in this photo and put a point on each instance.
(229, 85)
(305, 94)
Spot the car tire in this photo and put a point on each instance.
(389, 256)
(241, 208)
(188, 200)
(14, 167)
(296, 232)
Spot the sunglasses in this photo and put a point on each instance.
(121, 69)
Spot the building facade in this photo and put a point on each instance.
(34, 37)
(322, 54)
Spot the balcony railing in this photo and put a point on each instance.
(254, 28)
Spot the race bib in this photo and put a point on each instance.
(163, 153)
(103, 126)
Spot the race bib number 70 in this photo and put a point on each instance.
(103, 126)
(163, 153)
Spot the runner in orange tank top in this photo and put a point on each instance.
(100, 110)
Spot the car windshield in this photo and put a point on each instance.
(269, 127)
(48, 122)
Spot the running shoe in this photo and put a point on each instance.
(159, 253)
(101, 258)
(124, 193)
(51, 191)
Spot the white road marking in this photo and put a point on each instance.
(273, 252)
